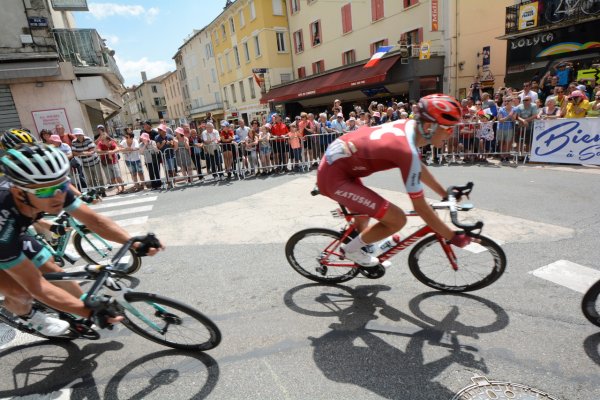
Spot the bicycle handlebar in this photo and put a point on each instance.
(454, 194)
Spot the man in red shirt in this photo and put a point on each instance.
(64, 136)
(395, 144)
(280, 147)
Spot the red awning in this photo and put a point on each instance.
(336, 81)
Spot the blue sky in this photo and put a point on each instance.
(145, 34)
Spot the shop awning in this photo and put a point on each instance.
(335, 81)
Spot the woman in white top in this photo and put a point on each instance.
(131, 152)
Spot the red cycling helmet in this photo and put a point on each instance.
(440, 109)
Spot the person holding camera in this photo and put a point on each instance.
(475, 90)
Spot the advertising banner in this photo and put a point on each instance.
(528, 15)
(48, 119)
(568, 141)
(435, 9)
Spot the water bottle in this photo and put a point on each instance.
(389, 242)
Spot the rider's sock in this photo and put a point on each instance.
(28, 315)
(355, 244)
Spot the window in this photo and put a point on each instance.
(348, 57)
(408, 3)
(223, 31)
(315, 33)
(347, 18)
(256, 46)
(298, 42)
(225, 93)
(217, 97)
(277, 7)
(213, 73)
(318, 67)
(242, 91)
(157, 101)
(252, 11)
(376, 45)
(234, 98)
(285, 77)
(295, 6)
(412, 38)
(241, 17)
(376, 10)
(228, 62)
(280, 41)
(216, 36)
(236, 56)
(154, 89)
(232, 25)
(246, 51)
(252, 89)
(301, 72)
(220, 66)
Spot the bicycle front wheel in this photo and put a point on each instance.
(315, 254)
(95, 250)
(590, 305)
(180, 326)
(477, 265)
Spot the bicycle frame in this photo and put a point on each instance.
(79, 229)
(389, 253)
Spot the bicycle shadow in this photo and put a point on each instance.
(45, 367)
(352, 352)
(157, 375)
(591, 345)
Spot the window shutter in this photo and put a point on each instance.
(296, 42)
(379, 9)
(420, 35)
(374, 10)
(347, 18)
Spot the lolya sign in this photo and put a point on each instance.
(570, 141)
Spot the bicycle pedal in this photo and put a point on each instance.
(375, 272)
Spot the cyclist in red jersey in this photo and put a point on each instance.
(392, 145)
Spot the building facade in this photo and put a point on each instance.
(252, 51)
(542, 34)
(150, 98)
(196, 59)
(176, 113)
(52, 72)
(331, 41)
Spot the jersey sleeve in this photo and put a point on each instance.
(412, 174)
(71, 201)
(11, 254)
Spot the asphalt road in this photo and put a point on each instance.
(392, 338)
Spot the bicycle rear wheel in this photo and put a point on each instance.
(182, 327)
(314, 253)
(98, 251)
(478, 265)
(590, 305)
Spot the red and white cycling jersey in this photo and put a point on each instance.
(361, 153)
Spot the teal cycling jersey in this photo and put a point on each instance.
(13, 225)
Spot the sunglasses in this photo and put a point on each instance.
(49, 191)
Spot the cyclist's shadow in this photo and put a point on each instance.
(353, 353)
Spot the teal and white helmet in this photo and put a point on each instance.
(37, 164)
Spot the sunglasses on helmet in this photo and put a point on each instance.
(48, 191)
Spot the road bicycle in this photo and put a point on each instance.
(154, 317)
(89, 245)
(315, 252)
(557, 10)
(590, 305)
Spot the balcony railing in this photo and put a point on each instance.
(522, 17)
(85, 48)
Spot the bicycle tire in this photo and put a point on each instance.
(420, 261)
(134, 264)
(11, 320)
(133, 323)
(590, 304)
(590, 7)
(550, 8)
(297, 256)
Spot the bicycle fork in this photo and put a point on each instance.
(449, 252)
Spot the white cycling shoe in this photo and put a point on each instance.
(360, 257)
(46, 325)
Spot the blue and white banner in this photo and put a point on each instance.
(569, 141)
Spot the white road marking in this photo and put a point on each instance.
(63, 394)
(124, 203)
(132, 221)
(568, 274)
(126, 211)
(120, 197)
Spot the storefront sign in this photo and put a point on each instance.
(570, 141)
(259, 70)
(48, 119)
(434, 15)
(425, 50)
(70, 5)
(525, 49)
(528, 15)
